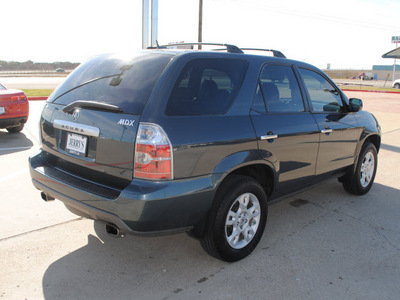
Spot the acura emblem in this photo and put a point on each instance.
(75, 115)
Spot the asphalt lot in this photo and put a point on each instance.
(330, 245)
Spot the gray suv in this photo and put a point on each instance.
(170, 140)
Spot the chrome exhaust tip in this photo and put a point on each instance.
(114, 230)
(47, 197)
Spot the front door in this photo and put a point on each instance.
(287, 134)
(339, 131)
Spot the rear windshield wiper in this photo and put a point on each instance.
(69, 109)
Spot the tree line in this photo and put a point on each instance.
(30, 65)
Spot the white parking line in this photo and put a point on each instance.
(15, 148)
(13, 175)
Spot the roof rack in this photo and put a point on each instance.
(229, 48)
(276, 53)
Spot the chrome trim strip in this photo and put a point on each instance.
(77, 128)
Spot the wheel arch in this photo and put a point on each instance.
(248, 163)
(375, 140)
(261, 170)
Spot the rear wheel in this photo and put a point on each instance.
(237, 220)
(360, 182)
(15, 128)
(397, 86)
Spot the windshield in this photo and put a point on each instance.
(112, 79)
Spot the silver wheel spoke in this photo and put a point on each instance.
(244, 201)
(248, 234)
(254, 211)
(234, 238)
(232, 216)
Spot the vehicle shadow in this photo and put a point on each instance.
(390, 148)
(128, 268)
(13, 142)
(163, 267)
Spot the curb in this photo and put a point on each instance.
(37, 98)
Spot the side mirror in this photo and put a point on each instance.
(355, 104)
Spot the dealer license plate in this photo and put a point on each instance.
(76, 144)
(2, 110)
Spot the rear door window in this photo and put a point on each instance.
(206, 86)
(278, 91)
(113, 79)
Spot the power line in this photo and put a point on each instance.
(328, 18)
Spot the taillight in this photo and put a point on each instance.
(153, 153)
(18, 98)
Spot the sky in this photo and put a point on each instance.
(347, 34)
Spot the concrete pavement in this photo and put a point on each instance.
(319, 244)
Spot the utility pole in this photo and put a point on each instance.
(200, 36)
(394, 67)
(149, 23)
(395, 40)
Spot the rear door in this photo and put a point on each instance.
(287, 134)
(339, 131)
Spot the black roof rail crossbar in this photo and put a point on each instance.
(230, 48)
(276, 53)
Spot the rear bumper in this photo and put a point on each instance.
(143, 207)
(12, 122)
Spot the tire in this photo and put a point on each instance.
(360, 182)
(15, 129)
(397, 86)
(237, 219)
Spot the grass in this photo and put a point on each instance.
(38, 92)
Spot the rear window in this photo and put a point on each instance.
(206, 86)
(113, 79)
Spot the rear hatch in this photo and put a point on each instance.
(89, 124)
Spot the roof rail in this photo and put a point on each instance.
(230, 48)
(276, 53)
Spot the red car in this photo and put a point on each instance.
(14, 109)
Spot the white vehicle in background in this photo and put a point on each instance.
(396, 84)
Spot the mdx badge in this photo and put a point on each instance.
(126, 122)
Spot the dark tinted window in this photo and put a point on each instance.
(278, 91)
(206, 87)
(113, 79)
(324, 96)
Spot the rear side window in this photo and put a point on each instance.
(278, 91)
(206, 86)
(114, 79)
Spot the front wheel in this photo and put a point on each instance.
(360, 182)
(237, 220)
(397, 86)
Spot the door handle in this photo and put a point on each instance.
(269, 136)
(326, 131)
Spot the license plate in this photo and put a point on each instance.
(2, 110)
(76, 144)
